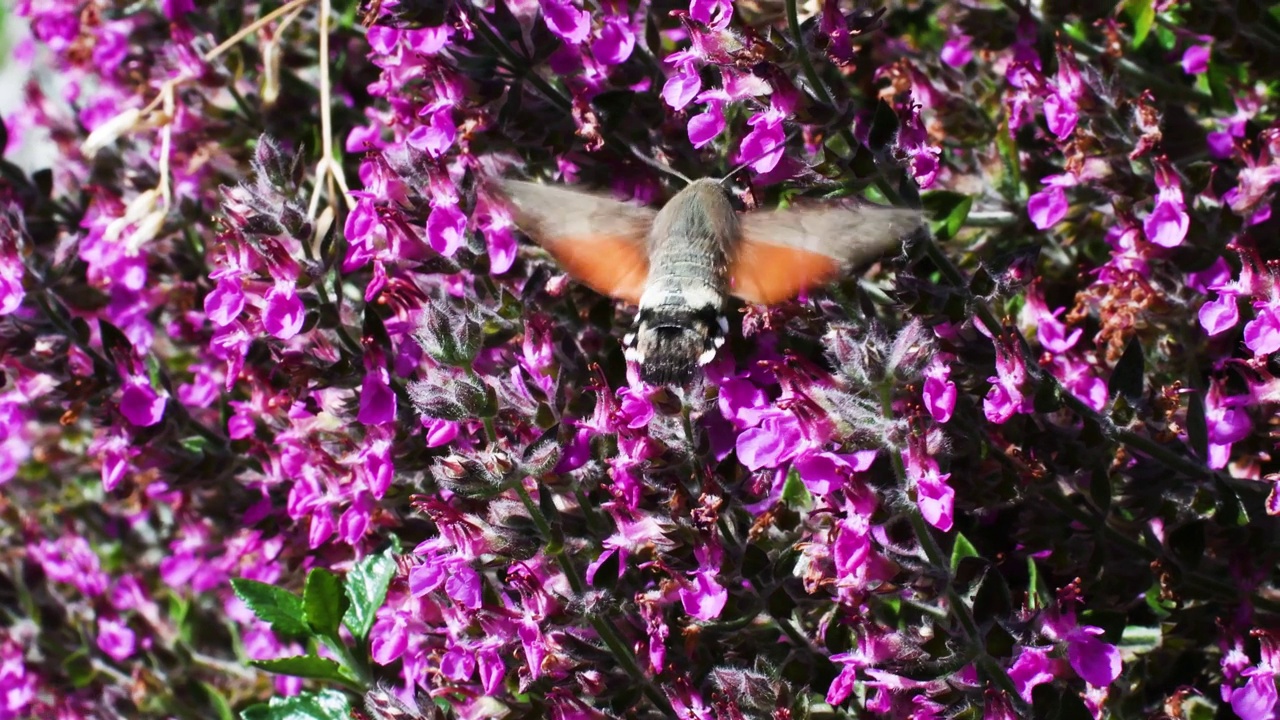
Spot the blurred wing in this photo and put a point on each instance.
(786, 251)
(598, 240)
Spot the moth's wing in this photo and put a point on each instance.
(783, 252)
(600, 241)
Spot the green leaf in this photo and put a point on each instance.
(1011, 164)
(366, 589)
(884, 127)
(1140, 639)
(1160, 608)
(948, 210)
(1038, 595)
(194, 443)
(275, 606)
(323, 705)
(962, 549)
(1196, 707)
(324, 602)
(1126, 378)
(1197, 428)
(1143, 15)
(79, 668)
(794, 493)
(304, 666)
(221, 708)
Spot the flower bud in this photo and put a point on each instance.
(465, 476)
(496, 463)
(857, 352)
(542, 454)
(448, 336)
(432, 401)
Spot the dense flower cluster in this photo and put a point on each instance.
(293, 422)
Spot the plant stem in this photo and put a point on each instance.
(956, 605)
(608, 634)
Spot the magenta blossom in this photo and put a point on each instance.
(939, 392)
(1050, 205)
(1168, 222)
(1007, 396)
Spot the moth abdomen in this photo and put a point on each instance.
(670, 341)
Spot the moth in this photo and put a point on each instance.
(680, 264)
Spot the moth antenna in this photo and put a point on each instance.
(657, 165)
(786, 141)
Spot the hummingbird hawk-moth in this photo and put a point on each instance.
(681, 263)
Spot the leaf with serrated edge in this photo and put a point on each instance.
(277, 607)
(366, 588)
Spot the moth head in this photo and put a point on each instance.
(670, 343)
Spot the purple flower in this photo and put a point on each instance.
(956, 51)
(389, 636)
(1006, 397)
(437, 136)
(140, 404)
(566, 21)
(703, 597)
(851, 551)
(1257, 699)
(446, 229)
(1262, 333)
(1195, 59)
(17, 682)
(494, 221)
(687, 702)
(934, 497)
(1061, 114)
(116, 639)
(1097, 662)
(1167, 224)
(913, 141)
(939, 393)
(1049, 205)
(458, 664)
(12, 240)
(762, 148)
(635, 409)
(225, 302)
(177, 9)
(777, 440)
(1227, 420)
(616, 41)
(283, 315)
(707, 126)
(377, 399)
(114, 449)
(715, 14)
(682, 86)
(71, 560)
(1033, 667)
(1219, 314)
(1050, 331)
(742, 402)
(636, 533)
(824, 473)
(1061, 106)
(1080, 379)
